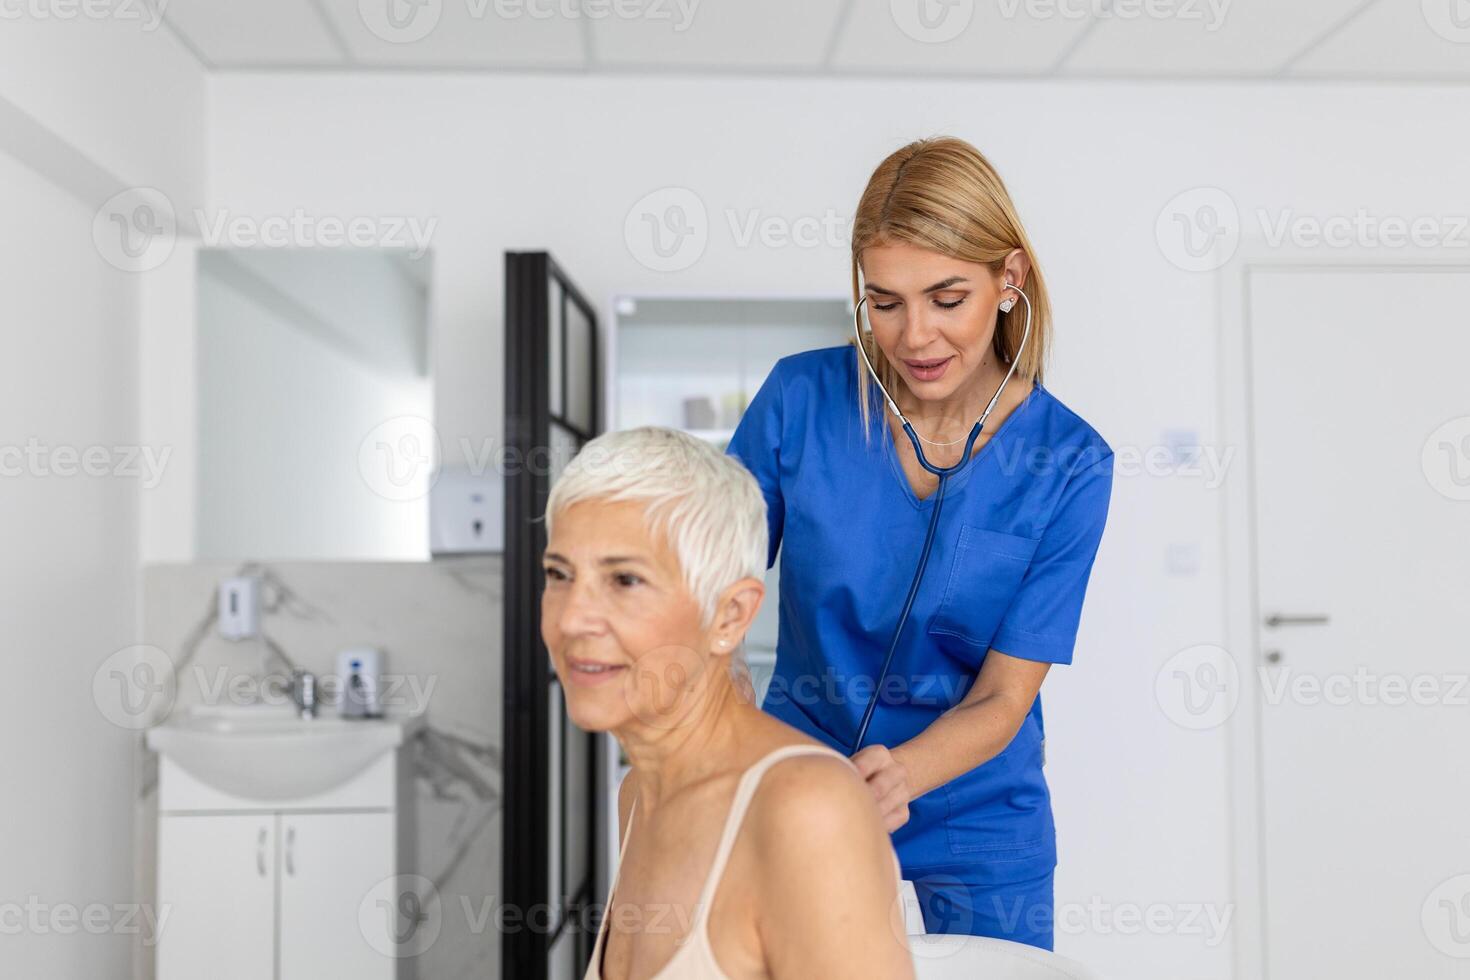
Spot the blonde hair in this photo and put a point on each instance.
(941, 194)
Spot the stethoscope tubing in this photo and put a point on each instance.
(943, 472)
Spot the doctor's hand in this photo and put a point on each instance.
(889, 780)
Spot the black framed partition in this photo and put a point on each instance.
(549, 848)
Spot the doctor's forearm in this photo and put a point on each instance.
(970, 733)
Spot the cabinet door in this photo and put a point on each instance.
(339, 897)
(216, 884)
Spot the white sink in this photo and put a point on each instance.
(269, 753)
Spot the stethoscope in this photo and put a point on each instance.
(944, 473)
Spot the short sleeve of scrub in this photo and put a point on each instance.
(757, 444)
(1041, 621)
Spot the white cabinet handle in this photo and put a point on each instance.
(260, 852)
(290, 850)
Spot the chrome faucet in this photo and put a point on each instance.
(304, 692)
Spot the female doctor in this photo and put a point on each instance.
(946, 284)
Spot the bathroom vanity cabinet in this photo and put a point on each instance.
(301, 888)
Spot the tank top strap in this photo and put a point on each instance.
(744, 791)
(596, 964)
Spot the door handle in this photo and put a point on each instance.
(290, 850)
(260, 853)
(1283, 619)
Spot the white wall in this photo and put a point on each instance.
(85, 108)
(525, 162)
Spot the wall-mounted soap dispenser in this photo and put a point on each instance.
(360, 679)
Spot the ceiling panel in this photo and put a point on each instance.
(1205, 37)
(722, 33)
(461, 33)
(261, 32)
(992, 37)
(1397, 39)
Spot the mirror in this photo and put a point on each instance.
(314, 408)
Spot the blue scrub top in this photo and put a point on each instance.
(1010, 563)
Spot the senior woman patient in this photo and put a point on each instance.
(748, 849)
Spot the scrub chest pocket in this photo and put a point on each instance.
(986, 572)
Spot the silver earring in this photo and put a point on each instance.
(1008, 302)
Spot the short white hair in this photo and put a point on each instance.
(705, 503)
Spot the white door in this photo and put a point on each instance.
(340, 901)
(1361, 424)
(216, 884)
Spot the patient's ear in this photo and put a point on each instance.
(734, 612)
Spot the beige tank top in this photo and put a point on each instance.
(694, 960)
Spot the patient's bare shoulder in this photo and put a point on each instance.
(828, 888)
